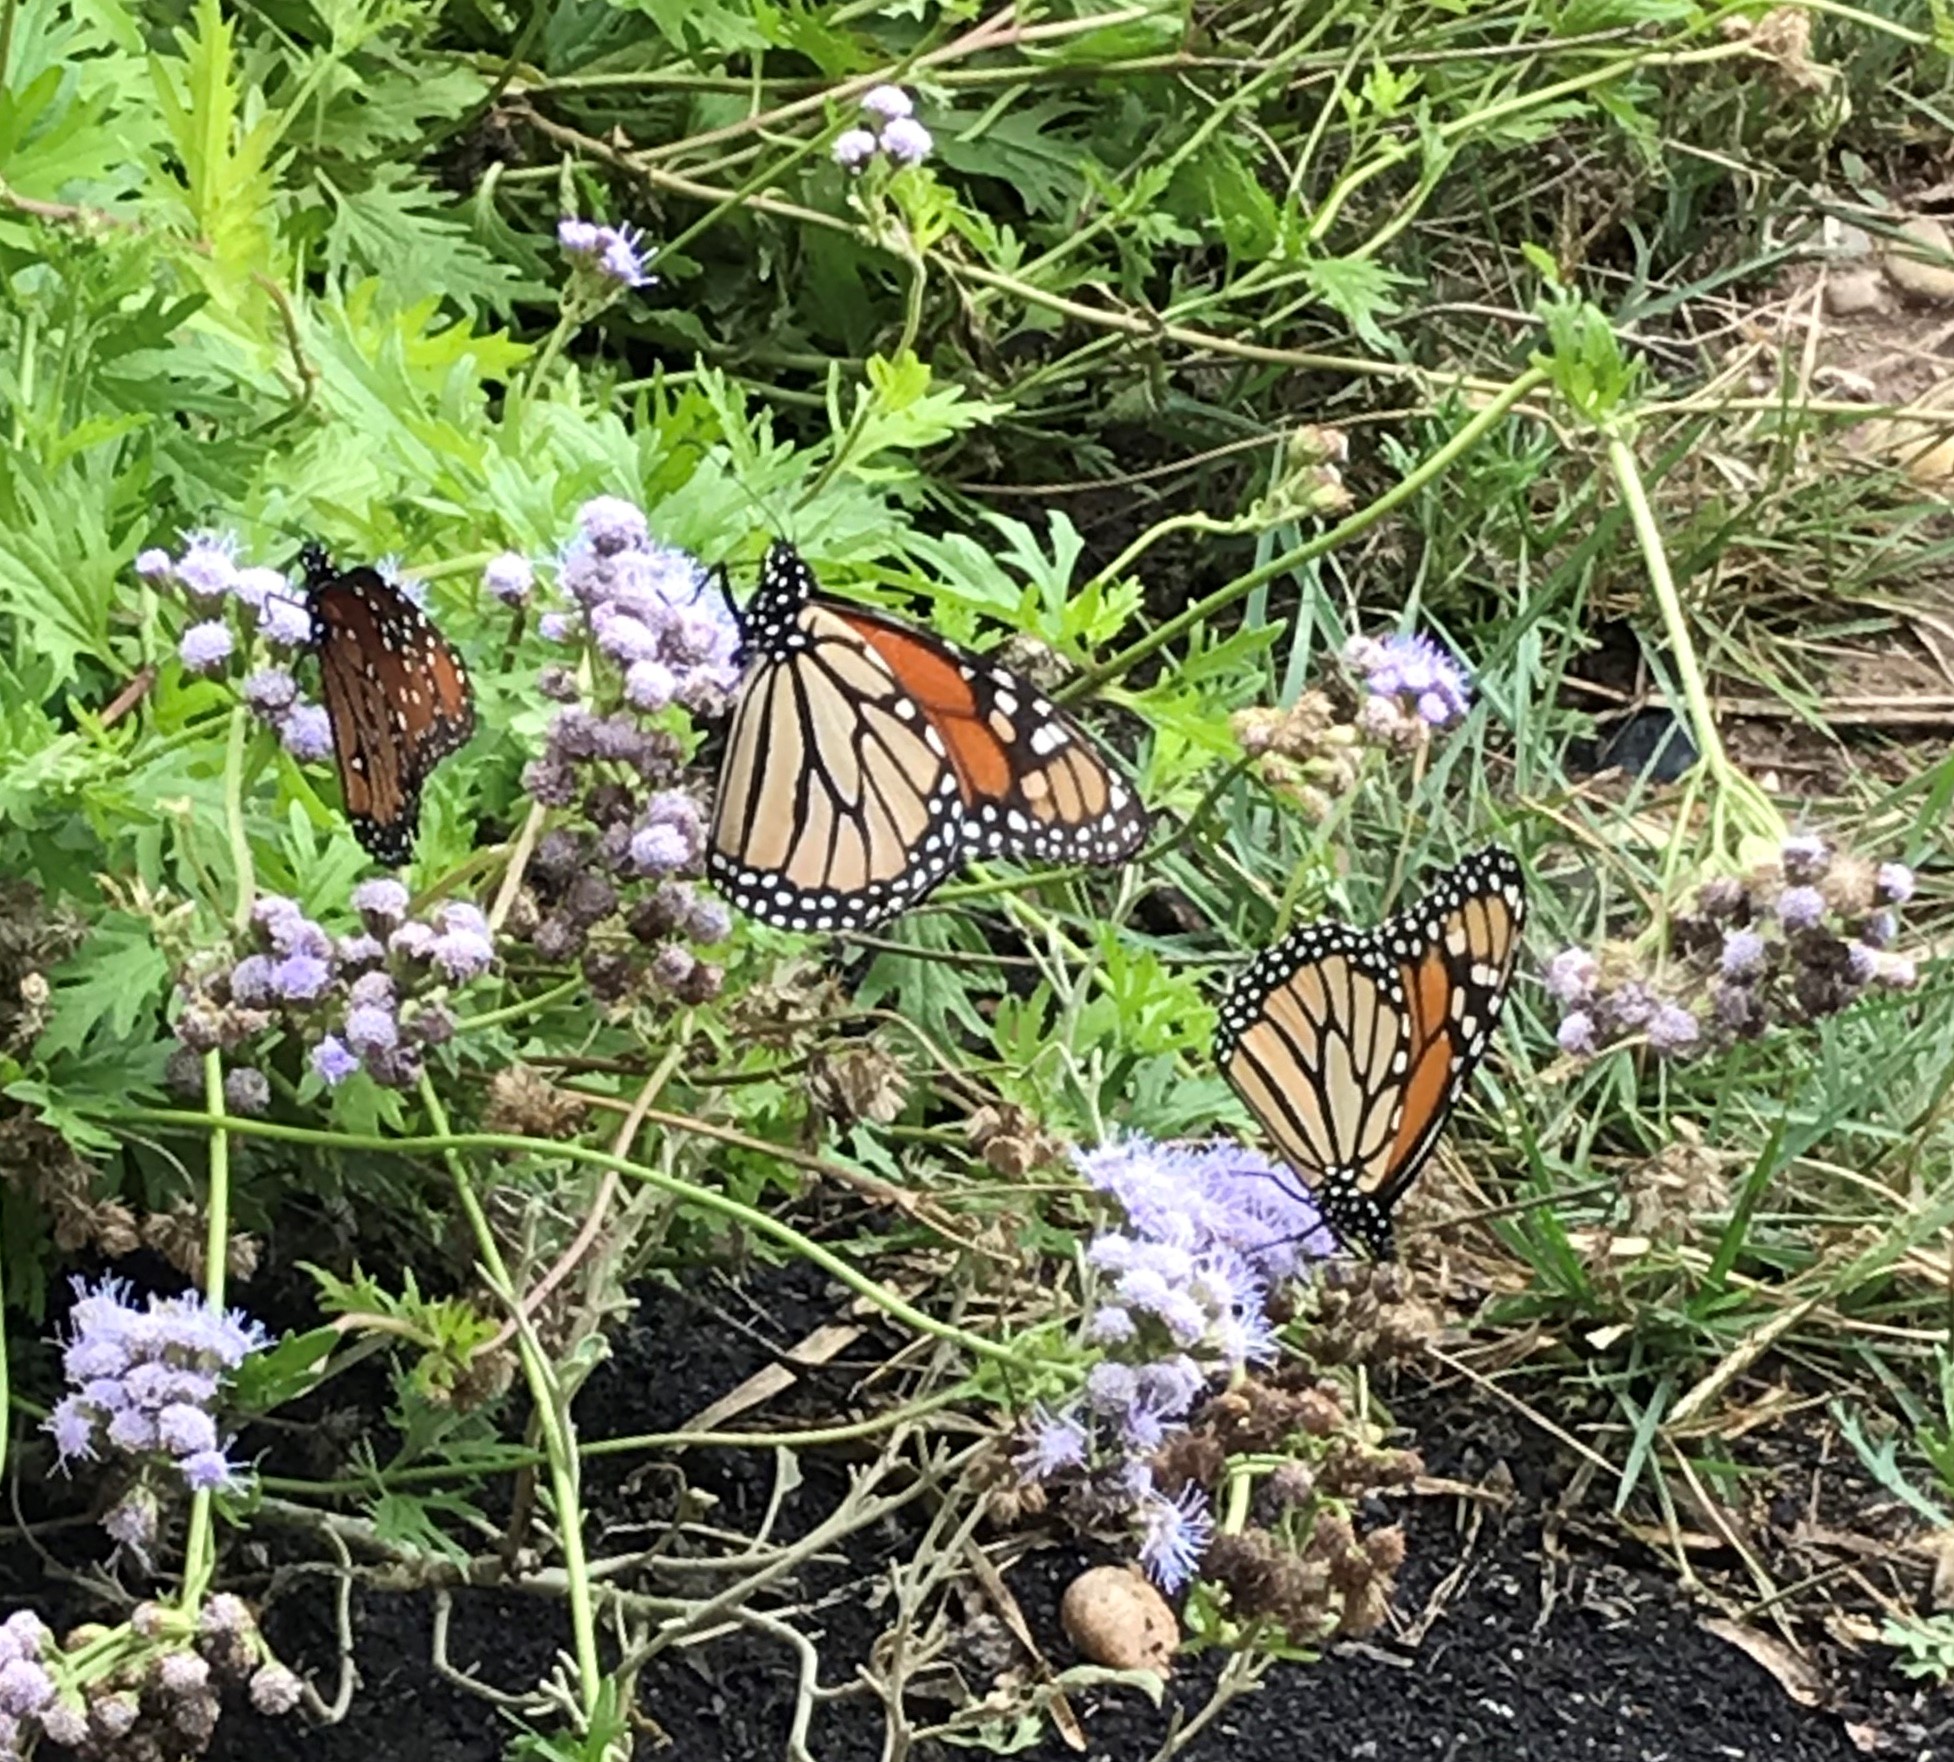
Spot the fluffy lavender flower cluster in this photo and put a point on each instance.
(145, 1383)
(29, 1699)
(658, 637)
(373, 1000)
(893, 130)
(612, 256)
(1412, 686)
(1212, 1232)
(1797, 938)
(240, 604)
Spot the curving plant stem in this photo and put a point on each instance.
(200, 1547)
(552, 1416)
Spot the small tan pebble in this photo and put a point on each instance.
(1857, 290)
(1117, 1619)
(1926, 273)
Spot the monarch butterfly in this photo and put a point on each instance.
(868, 759)
(1351, 1045)
(396, 694)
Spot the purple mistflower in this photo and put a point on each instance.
(650, 685)
(464, 949)
(301, 978)
(25, 1635)
(1672, 1029)
(71, 1424)
(25, 1687)
(1630, 1005)
(381, 903)
(625, 260)
(659, 850)
(1862, 963)
(581, 238)
(375, 988)
(509, 577)
(371, 1028)
(284, 622)
(906, 141)
(333, 1062)
(557, 627)
(305, 731)
(251, 983)
(854, 148)
(64, 1725)
(1112, 1324)
(1894, 884)
(1056, 1441)
(610, 524)
(1413, 666)
(1880, 930)
(1800, 908)
(275, 1690)
(247, 1093)
(1898, 972)
(207, 570)
(257, 584)
(209, 1471)
(155, 565)
(1576, 1035)
(708, 920)
(1571, 976)
(1743, 953)
(182, 1673)
(623, 637)
(185, 1430)
(270, 692)
(206, 647)
(1804, 856)
(1175, 1533)
(887, 103)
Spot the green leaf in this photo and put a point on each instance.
(113, 981)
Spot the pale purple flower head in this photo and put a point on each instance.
(305, 731)
(206, 647)
(258, 583)
(25, 1688)
(1576, 1035)
(1805, 856)
(251, 982)
(1880, 930)
(301, 978)
(371, 1028)
(1571, 975)
(1744, 953)
(209, 1471)
(1055, 1442)
(381, 903)
(1414, 667)
(650, 685)
(1862, 963)
(581, 238)
(464, 949)
(155, 565)
(207, 570)
(509, 577)
(887, 103)
(1672, 1029)
(1800, 908)
(270, 692)
(285, 622)
(854, 148)
(625, 260)
(906, 141)
(333, 1061)
(610, 524)
(708, 920)
(275, 1690)
(1894, 883)
(1175, 1534)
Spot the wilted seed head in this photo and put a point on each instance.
(559, 939)
(1850, 885)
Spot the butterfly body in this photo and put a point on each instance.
(396, 693)
(1352, 1046)
(869, 759)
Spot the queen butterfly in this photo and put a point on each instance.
(396, 693)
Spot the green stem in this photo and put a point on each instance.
(552, 1415)
(246, 877)
(1411, 484)
(200, 1548)
(1736, 791)
(686, 1192)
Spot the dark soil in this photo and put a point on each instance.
(1526, 1629)
(1533, 1642)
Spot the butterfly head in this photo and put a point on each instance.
(316, 561)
